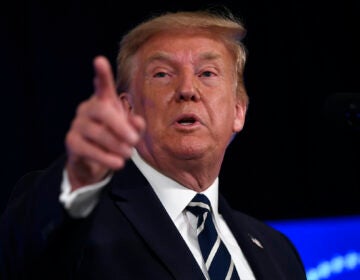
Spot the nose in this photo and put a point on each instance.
(187, 89)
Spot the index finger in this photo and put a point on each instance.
(104, 80)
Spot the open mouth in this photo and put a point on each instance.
(187, 121)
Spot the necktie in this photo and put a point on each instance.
(217, 259)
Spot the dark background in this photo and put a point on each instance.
(298, 155)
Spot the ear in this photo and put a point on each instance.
(126, 100)
(239, 118)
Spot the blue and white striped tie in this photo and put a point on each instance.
(217, 259)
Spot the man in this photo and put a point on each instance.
(138, 152)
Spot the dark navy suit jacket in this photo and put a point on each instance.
(129, 235)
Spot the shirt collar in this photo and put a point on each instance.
(173, 195)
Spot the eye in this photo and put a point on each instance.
(160, 75)
(207, 74)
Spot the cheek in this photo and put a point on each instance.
(143, 98)
(144, 94)
(221, 114)
(224, 113)
(151, 107)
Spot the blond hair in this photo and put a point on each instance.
(226, 28)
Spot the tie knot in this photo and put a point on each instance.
(199, 205)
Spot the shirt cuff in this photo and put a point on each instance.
(82, 201)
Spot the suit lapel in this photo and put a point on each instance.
(250, 242)
(136, 199)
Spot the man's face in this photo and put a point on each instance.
(184, 87)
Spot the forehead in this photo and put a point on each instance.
(184, 45)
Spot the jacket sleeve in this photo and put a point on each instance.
(37, 237)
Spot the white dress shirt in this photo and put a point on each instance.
(175, 198)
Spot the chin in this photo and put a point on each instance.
(190, 152)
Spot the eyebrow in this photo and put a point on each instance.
(210, 56)
(165, 57)
(159, 56)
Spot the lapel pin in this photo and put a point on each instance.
(256, 242)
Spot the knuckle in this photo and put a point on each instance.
(82, 108)
(72, 141)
